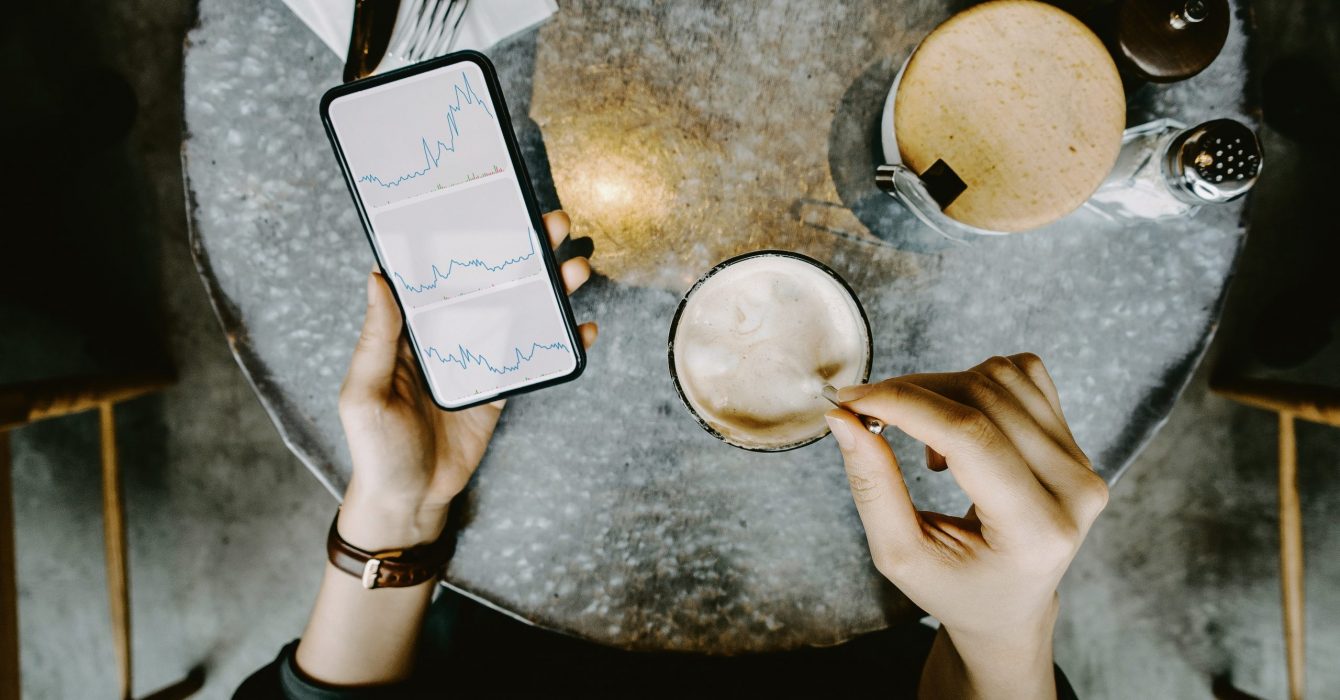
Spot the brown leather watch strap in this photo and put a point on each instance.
(400, 568)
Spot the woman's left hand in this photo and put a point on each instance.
(410, 457)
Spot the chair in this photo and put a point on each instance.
(1290, 401)
(22, 404)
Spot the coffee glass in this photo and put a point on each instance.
(754, 341)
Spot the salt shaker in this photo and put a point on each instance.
(1166, 170)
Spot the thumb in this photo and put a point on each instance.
(373, 362)
(890, 519)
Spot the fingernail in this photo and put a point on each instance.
(841, 432)
(852, 393)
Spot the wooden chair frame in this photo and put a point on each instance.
(1291, 401)
(22, 404)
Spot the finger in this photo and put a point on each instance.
(981, 459)
(406, 378)
(1055, 467)
(574, 272)
(887, 513)
(935, 461)
(557, 225)
(588, 332)
(1003, 371)
(374, 359)
(1032, 366)
(405, 351)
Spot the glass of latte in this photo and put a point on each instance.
(754, 342)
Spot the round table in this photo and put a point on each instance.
(678, 136)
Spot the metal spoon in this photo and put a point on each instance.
(871, 423)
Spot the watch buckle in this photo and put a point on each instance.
(370, 571)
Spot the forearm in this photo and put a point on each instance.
(360, 636)
(965, 666)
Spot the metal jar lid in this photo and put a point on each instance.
(1018, 106)
(1217, 161)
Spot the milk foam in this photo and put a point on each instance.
(757, 341)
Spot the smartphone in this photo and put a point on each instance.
(429, 156)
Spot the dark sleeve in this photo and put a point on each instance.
(282, 680)
(1063, 689)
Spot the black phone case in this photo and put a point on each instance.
(527, 193)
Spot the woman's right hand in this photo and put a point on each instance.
(990, 576)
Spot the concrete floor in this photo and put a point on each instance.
(1177, 583)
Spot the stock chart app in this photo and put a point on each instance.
(430, 165)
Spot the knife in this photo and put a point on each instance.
(374, 20)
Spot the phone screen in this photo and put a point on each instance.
(430, 161)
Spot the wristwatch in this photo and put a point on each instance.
(396, 568)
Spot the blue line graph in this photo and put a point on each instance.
(432, 154)
(464, 357)
(441, 276)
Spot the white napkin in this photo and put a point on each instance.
(486, 22)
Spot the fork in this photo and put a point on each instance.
(424, 29)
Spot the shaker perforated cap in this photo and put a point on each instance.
(1217, 161)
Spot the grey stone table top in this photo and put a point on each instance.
(677, 136)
